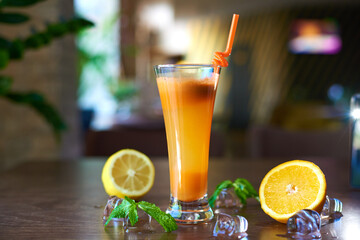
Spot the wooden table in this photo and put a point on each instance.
(65, 200)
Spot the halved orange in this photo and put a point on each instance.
(128, 173)
(290, 187)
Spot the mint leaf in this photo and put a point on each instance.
(241, 194)
(246, 186)
(164, 219)
(130, 200)
(219, 188)
(133, 216)
(132, 211)
(118, 212)
(127, 207)
(242, 188)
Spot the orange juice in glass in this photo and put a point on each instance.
(187, 94)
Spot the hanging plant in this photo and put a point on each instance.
(14, 49)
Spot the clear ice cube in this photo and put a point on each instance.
(332, 210)
(112, 203)
(305, 224)
(143, 225)
(227, 226)
(227, 202)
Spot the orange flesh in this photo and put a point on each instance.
(290, 187)
(292, 193)
(188, 108)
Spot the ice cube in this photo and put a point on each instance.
(227, 202)
(228, 226)
(143, 225)
(304, 224)
(112, 203)
(332, 210)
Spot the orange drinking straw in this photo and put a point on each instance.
(219, 58)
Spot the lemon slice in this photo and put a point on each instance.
(290, 187)
(128, 173)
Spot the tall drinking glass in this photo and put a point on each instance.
(187, 94)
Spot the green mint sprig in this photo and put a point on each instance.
(128, 207)
(242, 188)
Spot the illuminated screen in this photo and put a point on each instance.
(315, 37)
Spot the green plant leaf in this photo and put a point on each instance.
(4, 43)
(132, 212)
(119, 211)
(245, 185)
(13, 18)
(128, 207)
(4, 58)
(164, 219)
(33, 41)
(219, 188)
(18, 3)
(5, 84)
(41, 106)
(57, 29)
(76, 24)
(241, 194)
(133, 216)
(16, 49)
(72, 25)
(124, 90)
(242, 188)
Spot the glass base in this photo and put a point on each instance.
(194, 212)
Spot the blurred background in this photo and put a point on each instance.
(286, 92)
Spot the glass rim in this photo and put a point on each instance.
(186, 66)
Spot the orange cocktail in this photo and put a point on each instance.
(187, 94)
